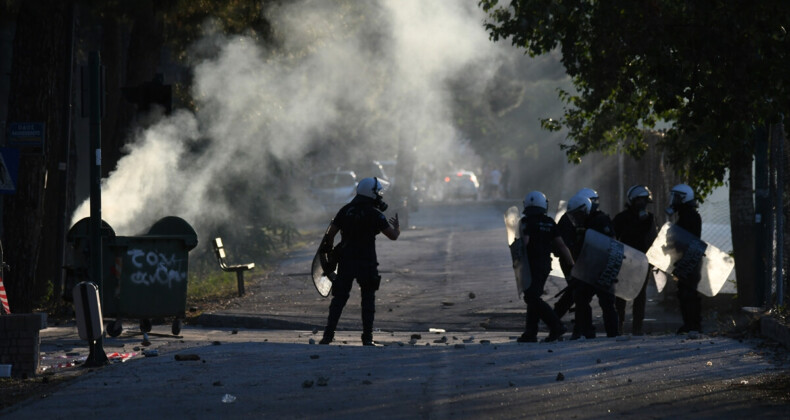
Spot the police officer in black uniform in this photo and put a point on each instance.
(683, 203)
(586, 214)
(358, 223)
(573, 236)
(540, 235)
(635, 227)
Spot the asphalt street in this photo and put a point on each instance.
(447, 319)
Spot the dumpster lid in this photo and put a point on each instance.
(81, 230)
(175, 226)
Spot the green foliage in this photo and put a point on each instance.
(712, 70)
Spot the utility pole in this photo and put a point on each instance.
(98, 357)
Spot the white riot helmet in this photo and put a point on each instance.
(369, 187)
(684, 193)
(638, 191)
(591, 194)
(579, 203)
(536, 202)
(679, 195)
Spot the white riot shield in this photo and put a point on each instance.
(611, 265)
(518, 252)
(677, 252)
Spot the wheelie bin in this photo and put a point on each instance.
(145, 276)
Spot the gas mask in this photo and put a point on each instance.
(674, 204)
(380, 204)
(640, 208)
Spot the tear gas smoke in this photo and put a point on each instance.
(336, 83)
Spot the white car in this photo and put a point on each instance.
(462, 184)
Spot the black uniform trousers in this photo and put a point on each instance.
(583, 294)
(368, 279)
(538, 309)
(638, 310)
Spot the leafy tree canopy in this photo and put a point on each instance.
(711, 70)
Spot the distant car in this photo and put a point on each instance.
(462, 184)
(334, 189)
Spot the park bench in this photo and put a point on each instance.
(239, 269)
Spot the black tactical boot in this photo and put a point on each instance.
(328, 337)
(367, 339)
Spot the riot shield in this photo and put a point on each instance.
(677, 252)
(321, 279)
(518, 252)
(323, 271)
(610, 265)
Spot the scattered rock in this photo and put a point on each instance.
(469, 340)
(441, 340)
(150, 353)
(307, 383)
(366, 382)
(471, 295)
(485, 341)
(217, 383)
(322, 381)
(187, 357)
(215, 343)
(629, 380)
(416, 336)
(560, 377)
(551, 351)
(314, 356)
(460, 346)
(311, 341)
(235, 331)
(315, 330)
(511, 383)
(597, 360)
(448, 303)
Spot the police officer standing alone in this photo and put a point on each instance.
(540, 236)
(635, 227)
(683, 203)
(358, 223)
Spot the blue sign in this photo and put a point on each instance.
(9, 169)
(26, 134)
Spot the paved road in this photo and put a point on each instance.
(470, 368)
(451, 269)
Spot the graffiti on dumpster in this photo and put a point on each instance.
(153, 267)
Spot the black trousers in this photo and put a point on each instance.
(367, 277)
(690, 303)
(539, 310)
(638, 310)
(583, 294)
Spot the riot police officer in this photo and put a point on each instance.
(635, 227)
(358, 223)
(683, 204)
(584, 214)
(573, 236)
(540, 235)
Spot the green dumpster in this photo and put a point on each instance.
(145, 276)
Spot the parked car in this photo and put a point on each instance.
(462, 184)
(333, 189)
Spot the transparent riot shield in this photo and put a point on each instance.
(518, 252)
(677, 252)
(323, 271)
(611, 265)
(321, 279)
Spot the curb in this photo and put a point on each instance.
(775, 330)
(252, 322)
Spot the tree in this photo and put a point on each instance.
(38, 88)
(713, 70)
